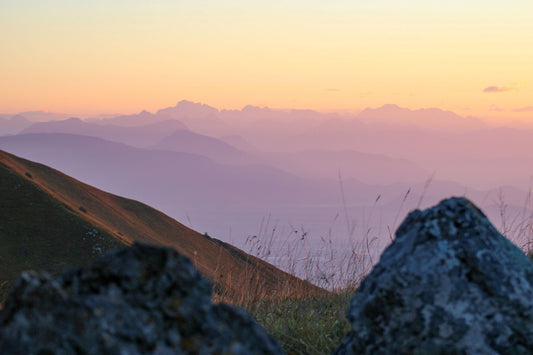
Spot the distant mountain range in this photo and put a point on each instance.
(231, 201)
(172, 135)
(140, 136)
(262, 171)
(183, 140)
(50, 220)
(13, 124)
(347, 164)
(432, 118)
(211, 121)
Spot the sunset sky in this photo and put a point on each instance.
(86, 57)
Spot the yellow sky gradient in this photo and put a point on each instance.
(94, 57)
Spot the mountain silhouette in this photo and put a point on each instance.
(190, 142)
(432, 118)
(13, 124)
(137, 136)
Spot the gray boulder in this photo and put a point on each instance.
(137, 300)
(448, 284)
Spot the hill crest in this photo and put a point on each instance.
(124, 221)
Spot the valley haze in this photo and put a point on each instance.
(297, 179)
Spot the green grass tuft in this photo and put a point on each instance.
(306, 325)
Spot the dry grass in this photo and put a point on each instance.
(310, 324)
(305, 322)
(518, 228)
(302, 320)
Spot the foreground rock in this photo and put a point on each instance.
(448, 284)
(138, 300)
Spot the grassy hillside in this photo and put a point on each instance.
(50, 220)
(39, 232)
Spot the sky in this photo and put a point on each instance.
(87, 57)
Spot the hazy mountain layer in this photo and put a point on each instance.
(296, 172)
(137, 136)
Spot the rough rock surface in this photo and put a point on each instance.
(448, 284)
(137, 300)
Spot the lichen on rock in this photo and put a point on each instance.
(449, 283)
(137, 300)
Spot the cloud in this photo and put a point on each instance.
(524, 109)
(334, 90)
(496, 108)
(492, 89)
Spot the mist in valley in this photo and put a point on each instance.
(291, 185)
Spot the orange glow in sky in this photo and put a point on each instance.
(471, 57)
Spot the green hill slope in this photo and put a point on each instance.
(39, 232)
(49, 220)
